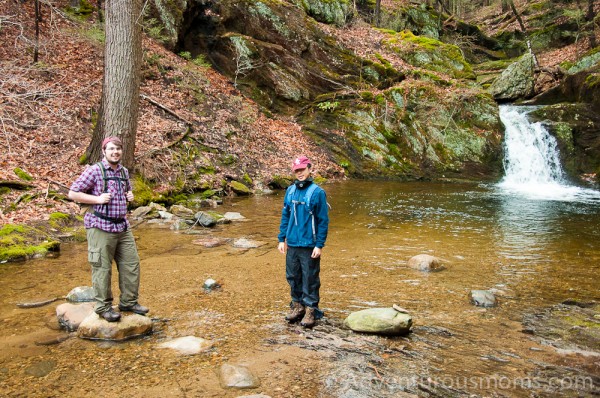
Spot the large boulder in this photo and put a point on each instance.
(336, 12)
(95, 328)
(429, 53)
(386, 321)
(516, 81)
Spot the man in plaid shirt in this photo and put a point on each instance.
(108, 189)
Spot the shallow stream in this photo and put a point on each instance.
(533, 253)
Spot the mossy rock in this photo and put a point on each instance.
(239, 188)
(280, 182)
(430, 54)
(337, 12)
(22, 174)
(19, 242)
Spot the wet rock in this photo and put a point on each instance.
(210, 242)
(181, 225)
(386, 321)
(205, 219)
(426, 263)
(237, 376)
(580, 304)
(233, 216)
(40, 369)
(70, 315)
(95, 328)
(189, 345)
(52, 339)
(141, 212)
(483, 298)
(182, 211)
(165, 215)
(243, 243)
(81, 294)
(567, 327)
(210, 284)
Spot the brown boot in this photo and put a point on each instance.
(309, 318)
(296, 312)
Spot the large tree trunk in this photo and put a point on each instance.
(119, 107)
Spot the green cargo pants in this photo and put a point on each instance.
(103, 247)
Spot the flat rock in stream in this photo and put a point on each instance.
(188, 345)
(385, 321)
(70, 315)
(243, 243)
(233, 216)
(132, 325)
(426, 263)
(483, 298)
(210, 242)
(81, 294)
(237, 376)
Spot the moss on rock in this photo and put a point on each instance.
(19, 242)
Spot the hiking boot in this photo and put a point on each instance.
(309, 318)
(110, 315)
(137, 308)
(296, 312)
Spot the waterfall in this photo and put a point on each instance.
(531, 161)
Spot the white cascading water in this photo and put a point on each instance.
(531, 161)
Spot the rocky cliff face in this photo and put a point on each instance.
(414, 112)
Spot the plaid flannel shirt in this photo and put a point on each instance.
(91, 182)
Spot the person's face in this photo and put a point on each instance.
(302, 174)
(113, 153)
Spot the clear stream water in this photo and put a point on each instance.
(535, 243)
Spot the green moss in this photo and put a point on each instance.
(4, 190)
(22, 174)
(143, 192)
(586, 323)
(57, 220)
(247, 179)
(19, 242)
(11, 229)
(209, 193)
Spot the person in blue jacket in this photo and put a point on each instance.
(302, 235)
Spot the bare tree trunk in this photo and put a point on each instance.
(589, 17)
(38, 18)
(522, 25)
(377, 12)
(119, 107)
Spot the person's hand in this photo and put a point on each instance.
(316, 253)
(129, 196)
(282, 247)
(104, 198)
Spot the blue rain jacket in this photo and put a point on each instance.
(297, 221)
